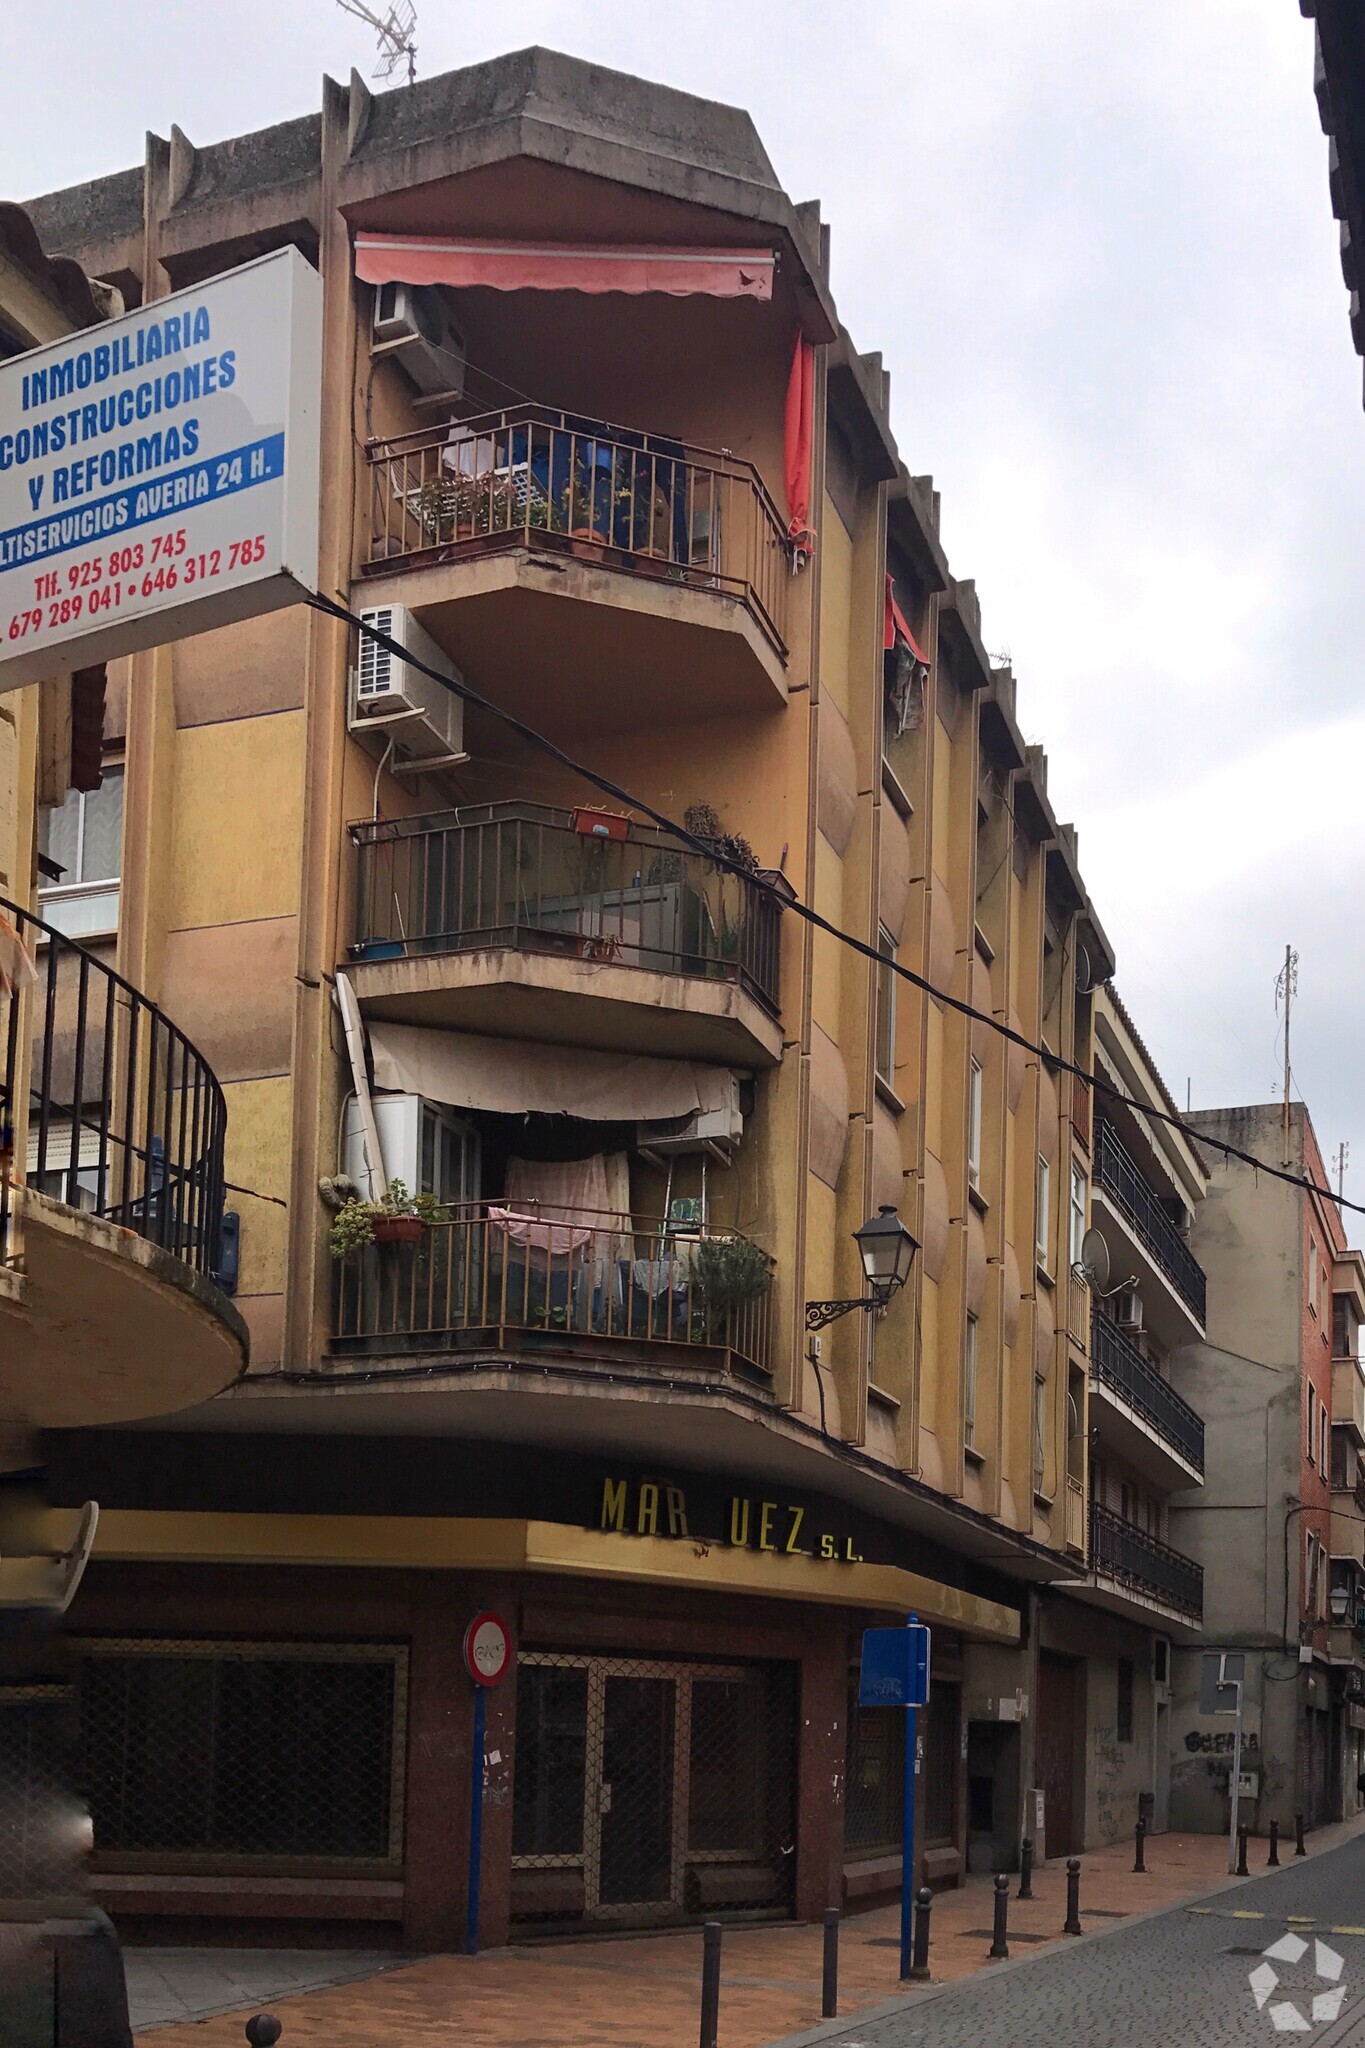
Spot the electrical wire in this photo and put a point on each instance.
(465, 690)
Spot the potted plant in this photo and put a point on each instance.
(396, 1218)
(728, 1273)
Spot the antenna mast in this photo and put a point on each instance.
(1286, 988)
(1343, 1161)
(396, 30)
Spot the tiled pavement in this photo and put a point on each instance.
(642, 1992)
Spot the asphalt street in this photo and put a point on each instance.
(1177, 1977)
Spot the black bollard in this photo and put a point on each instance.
(919, 1962)
(1072, 1923)
(710, 1983)
(263, 2030)
(1025, 1890)
(1140, 1845)
(1241, 1870)
(829, 1990)
(1000, 1933)
(1273, 1859)
(1299, 1849)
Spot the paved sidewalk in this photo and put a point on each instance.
(642, 1992)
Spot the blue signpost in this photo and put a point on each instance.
(895, 1673)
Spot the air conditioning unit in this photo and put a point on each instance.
(426, 1146)
(710, 1130)
(415, 324)
(1128, 1310)
(394, 701)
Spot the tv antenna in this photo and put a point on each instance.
(396, 30)
(1286, 988)
(1343, 1161)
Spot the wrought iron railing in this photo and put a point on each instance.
(1120, 1175)
(529, 476)
(1120, 1550)
(1118, 1364)
(491, 1269)
(125, 1119)
(523, 875)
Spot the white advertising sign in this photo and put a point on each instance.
(159, 473)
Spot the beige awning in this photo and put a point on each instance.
(465, 1071)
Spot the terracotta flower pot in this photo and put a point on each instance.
(397, 1229)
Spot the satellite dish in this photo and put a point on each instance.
(1093, 1264)
(1084, 972)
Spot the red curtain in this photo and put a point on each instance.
(897, 626)
(799, 426)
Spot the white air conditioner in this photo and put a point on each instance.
(710, 1130)
(1128, 1310)
(415, 324)
(426, 1146)
(392, 700)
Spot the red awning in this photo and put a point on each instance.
(562, 267)
(798, 429)
(897, 626)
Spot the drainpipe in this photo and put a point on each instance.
(355, 1047)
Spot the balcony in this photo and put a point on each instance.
(494, 1277)
(1154, 1574)
(1348, 1397)
(111, 1218)
(1140, 1412)
(650, 575)
(1118, 1176)
(522, 920)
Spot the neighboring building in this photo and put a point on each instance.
(1277, 1527)
(1107, 1674)
(1339, 83)
(656, 1107)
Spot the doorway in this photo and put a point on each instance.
(1061, 1719)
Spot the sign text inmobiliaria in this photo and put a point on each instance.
(159, 473)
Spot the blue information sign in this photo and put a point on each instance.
(895, 1667)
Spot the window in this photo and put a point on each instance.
(84, 838)
(1312, 1276)
(1079, 1192)
(1039, 1431)
(974, 1125)
(1342, 1346)
(1126, 1501)
(1323, 1431)
(1161, 1660)
(1312, 1420)
(969, 1386)
(1123, 1713)
(1043, 1227)
(886, 1010)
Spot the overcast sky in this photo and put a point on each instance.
(1094, 245)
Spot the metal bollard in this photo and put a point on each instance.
(1273, 1859)
(1241, 1870)
(710, 1983)
(829, 1989)
(1025, 1890)
(1140, 1845)
(263, 2030)
(1299, 1849)
(919, 1962)
(1000, 1933)
(1072, 1923)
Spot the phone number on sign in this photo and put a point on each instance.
(147, 568)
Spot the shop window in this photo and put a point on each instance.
(1123, 1715)
(83, 837)
(876, 1768)
(547, 1794)
(228, 1753)
(726, 1774)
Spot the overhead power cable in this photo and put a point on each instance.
(466, 691)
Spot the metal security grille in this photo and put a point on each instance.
(651, 1792)
(876, 1771)
(43, 1829)
(216, 1756)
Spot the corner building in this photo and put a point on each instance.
(667, 525)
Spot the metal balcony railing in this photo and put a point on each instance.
(523, 875)
(490, 1270)
(1119, 1550)
(532, 477)
(1120, 1175)
(125, 1119)
(1118, 1364)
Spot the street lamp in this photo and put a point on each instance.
(887, 1251)
(1339, 1600)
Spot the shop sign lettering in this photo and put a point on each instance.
(651, 1508)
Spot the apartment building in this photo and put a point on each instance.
(596, 441)
(1278, 1524)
